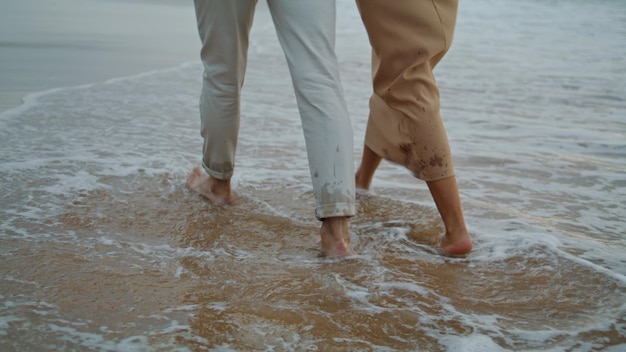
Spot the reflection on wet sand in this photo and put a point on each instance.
(245, 277)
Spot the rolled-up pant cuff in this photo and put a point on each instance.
(216, 174)
(335, 210)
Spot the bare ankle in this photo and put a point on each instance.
(456, 243)
(361, 182)
(219, 187)
(335, 237)
(217, 191)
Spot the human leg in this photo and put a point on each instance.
(223, 27)
(404, 124)
(456, 240)
(445, 193)
(365, 172)
(306, 31)
(408, 39)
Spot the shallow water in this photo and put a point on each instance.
(103, 248)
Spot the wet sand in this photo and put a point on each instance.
(103, 248)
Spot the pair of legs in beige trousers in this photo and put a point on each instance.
(408, 38)
(306, 31)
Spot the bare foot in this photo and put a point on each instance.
(217, 191)
(458, 244)
(335, 237)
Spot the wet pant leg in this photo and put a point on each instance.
(306, 31)
(224, 27)
(408, 39)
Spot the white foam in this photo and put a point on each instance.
(617, 348)
(618, 277)
(522, 174)
(78, 181)
(5, 321)
(32, 99)
(471, 343)
(407, 286)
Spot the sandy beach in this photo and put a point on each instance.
(103, 248)
(51, 44)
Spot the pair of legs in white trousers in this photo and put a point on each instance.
(306, 31)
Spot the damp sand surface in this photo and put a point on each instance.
(103, 248)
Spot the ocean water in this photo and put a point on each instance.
(102, 247)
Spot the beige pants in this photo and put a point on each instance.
(408, 38)
(306, 31)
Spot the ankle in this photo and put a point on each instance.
(335, 237)
(219, 187)
(335, 223)
(361, 182)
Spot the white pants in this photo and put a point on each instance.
(306, 31)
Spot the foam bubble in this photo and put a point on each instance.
(472, 343)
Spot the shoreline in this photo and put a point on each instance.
(30, 99)
(46, 46)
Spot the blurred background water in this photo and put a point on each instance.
(102, 247)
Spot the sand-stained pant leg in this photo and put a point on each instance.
(408, 39)
(306, 31)
(224, 27)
